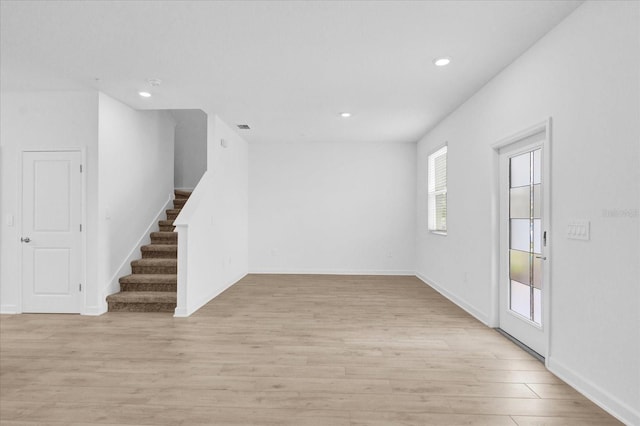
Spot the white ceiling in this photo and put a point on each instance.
(286, 68)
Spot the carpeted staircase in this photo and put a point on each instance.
(152, 285)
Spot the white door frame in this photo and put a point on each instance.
(83, 216)
(494, 319)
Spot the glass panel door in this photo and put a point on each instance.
(525, 236)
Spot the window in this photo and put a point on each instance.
(437, 187)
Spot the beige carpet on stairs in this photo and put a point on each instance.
(152, 285)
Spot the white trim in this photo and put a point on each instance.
(9, 309)
(181, 313)
(184, 189)
(544, 125)
(113, 285)
(83, 244)
(95, 310)
(181, 309)
(333, 272)
(441, 233)
(605, 400)
(480, 316)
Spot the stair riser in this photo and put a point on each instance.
(165, 240)
(154, 269)
(178, 204)
(148, 287)
(171, 216)
(141, 307)
(159, 254)
(164, 228)
(182, 194)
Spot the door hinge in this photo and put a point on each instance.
(80, 286)
(80, 168)
(80, 227)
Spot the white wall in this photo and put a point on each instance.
(135, 183)
(332, 208)
(213, 225)
(585, 75)
(44, 120)
(190, 147)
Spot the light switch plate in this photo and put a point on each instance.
(578, 230)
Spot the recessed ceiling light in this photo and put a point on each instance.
(442, 62)
(144, 94)
(345, 114)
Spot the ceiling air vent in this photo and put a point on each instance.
(243, 127)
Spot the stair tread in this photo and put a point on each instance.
(143, 297)
(159, 247)
(154, 262)
(164, 234)
(182, 193)
(165, 222)
(175, 211)
(144, 278)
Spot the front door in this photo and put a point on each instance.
(523, 242)
(51, 231)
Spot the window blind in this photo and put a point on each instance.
(437, 190)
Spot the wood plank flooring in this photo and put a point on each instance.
(282, 350)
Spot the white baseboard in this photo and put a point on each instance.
(96, 310)
(185, 189)
(618, 409)
(480, 316)
(180, 313)
(331, 272)
(186, 312)
(9, 309)
(113, 286)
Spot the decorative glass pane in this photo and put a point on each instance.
(520, 266)
(521, 299)
(520, 170)
(537, 272)
(520, 202)
(521, 234)
(537, 236)
(537, 306)
(537, 166)
(537, 201)
(525, 238)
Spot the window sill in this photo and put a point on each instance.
(443, 233)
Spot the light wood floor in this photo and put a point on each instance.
(282, 350)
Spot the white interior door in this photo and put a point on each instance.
(524, 202)
(51, 233)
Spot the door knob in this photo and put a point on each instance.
(541, 257)
(25, 240)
